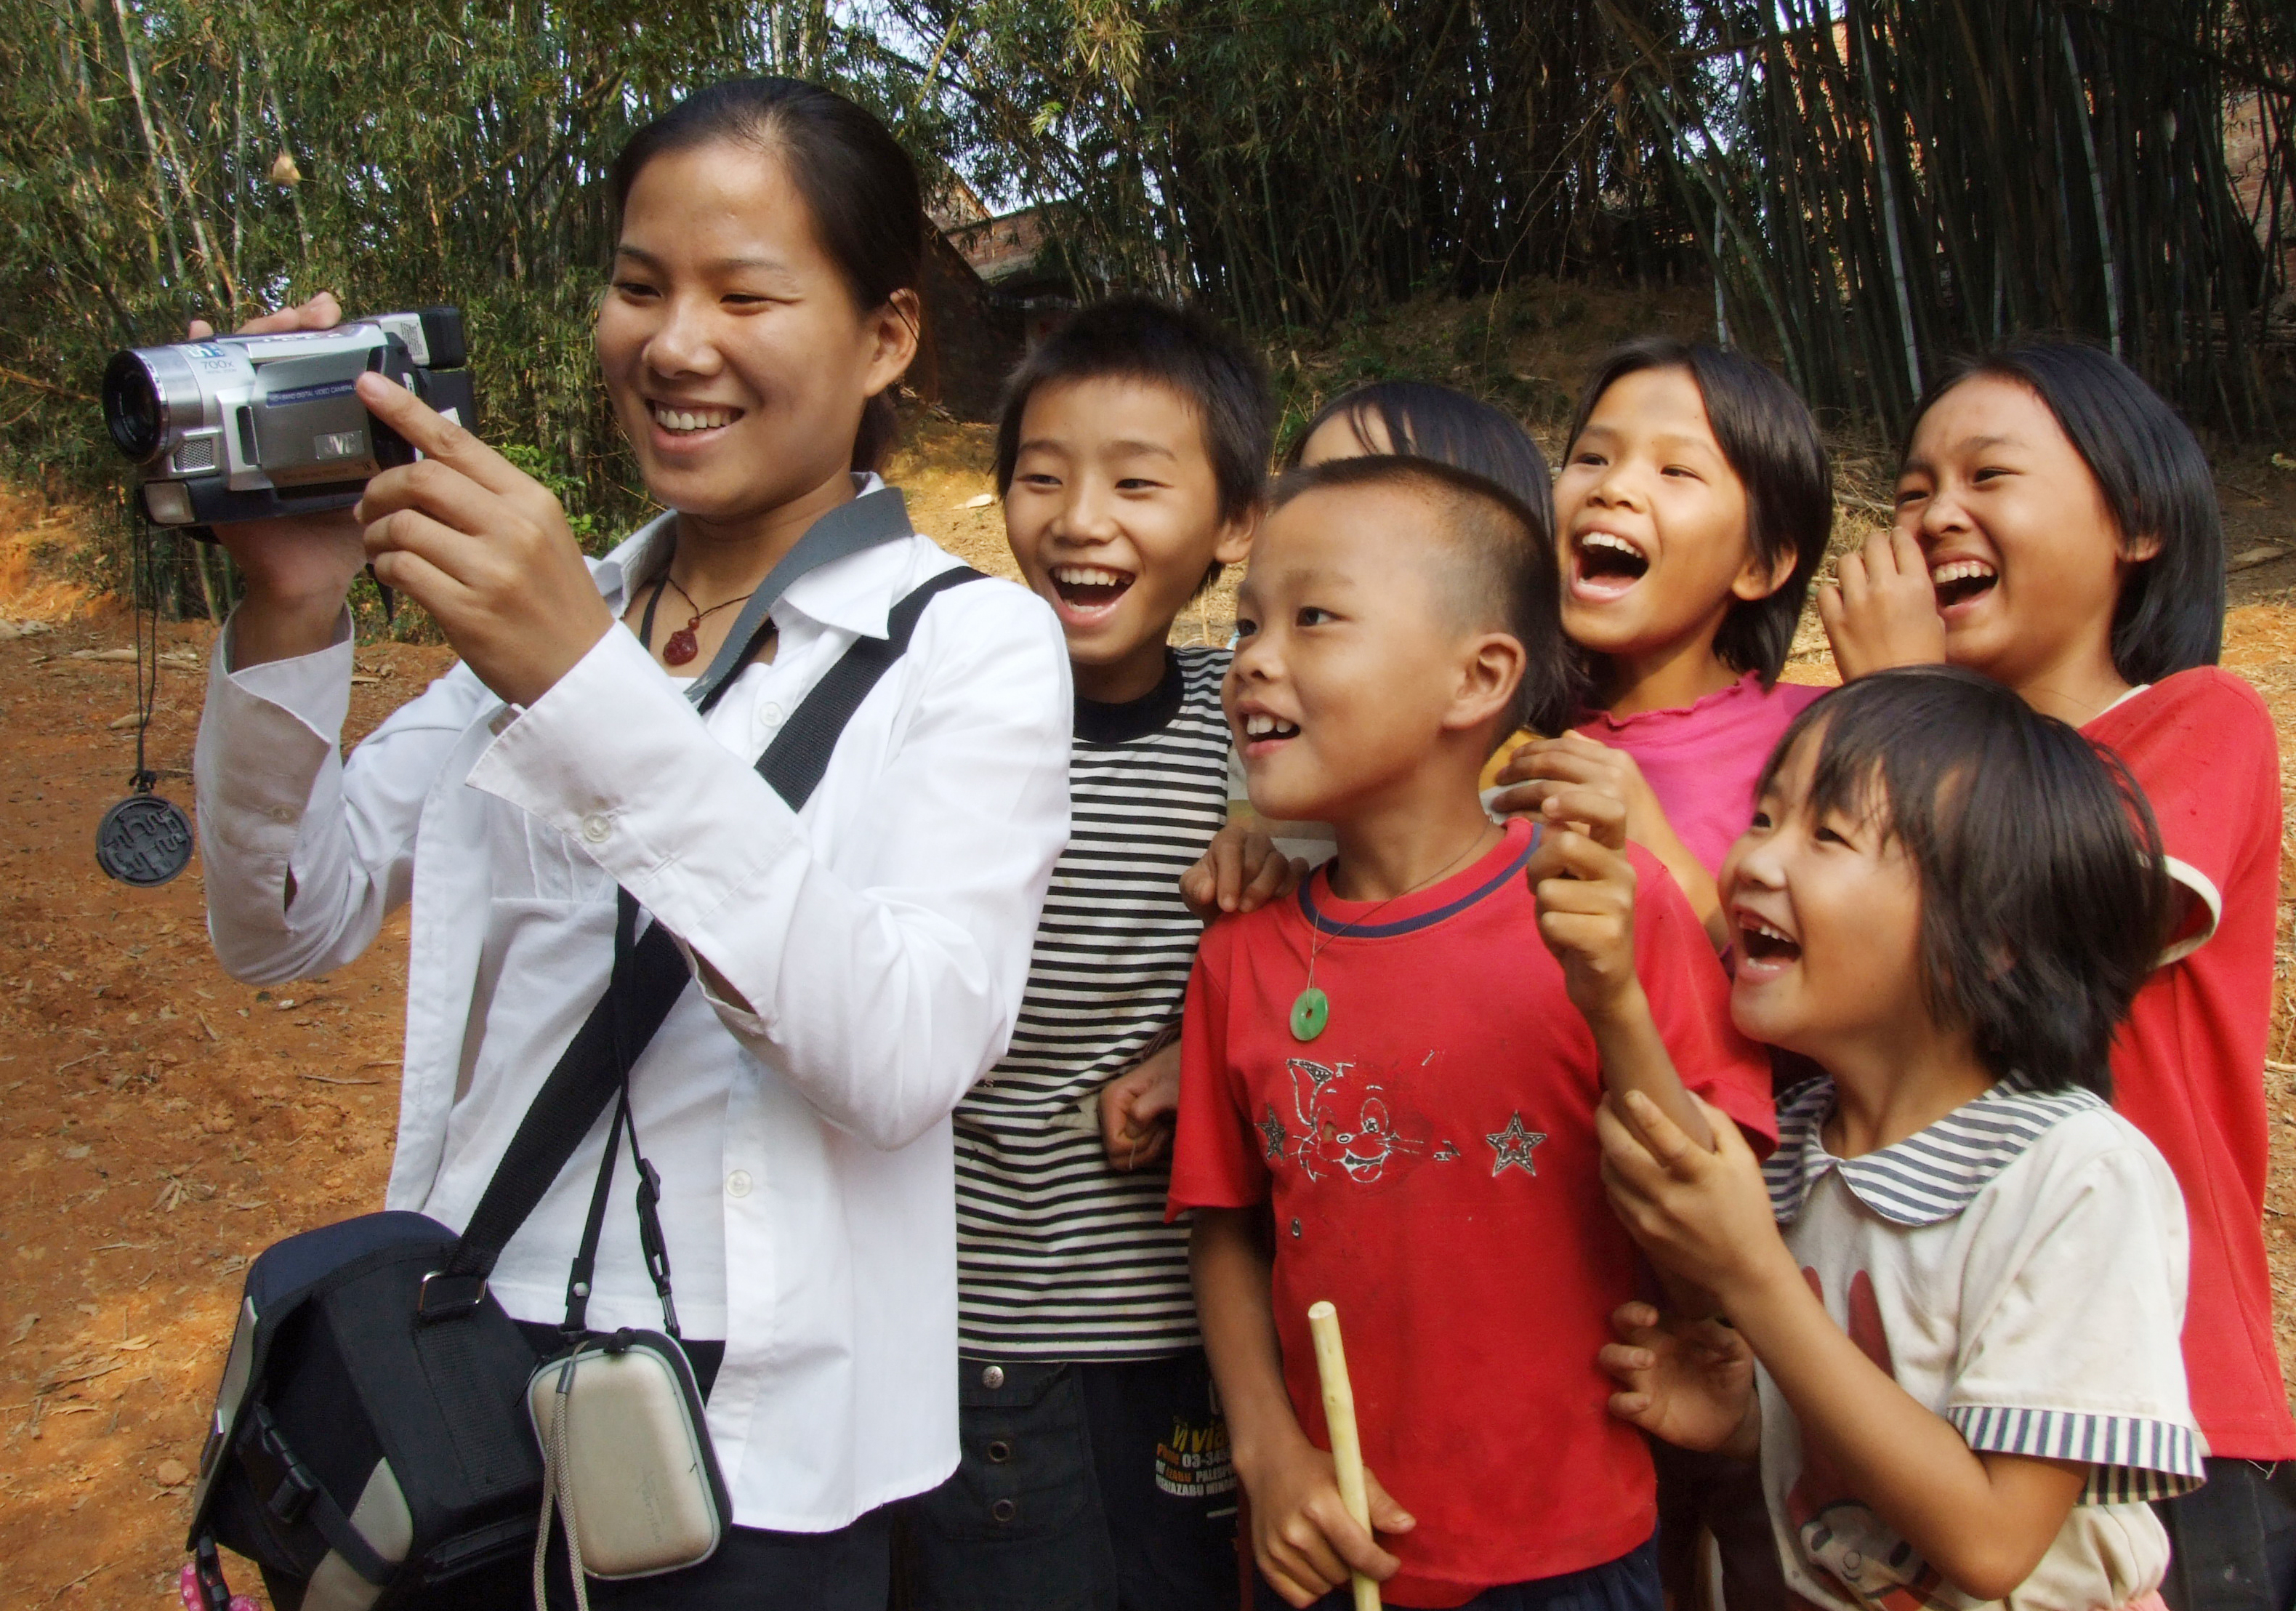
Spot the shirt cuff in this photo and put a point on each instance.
(315, 689)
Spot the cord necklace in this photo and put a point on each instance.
(682, 645)
(1311, 1010)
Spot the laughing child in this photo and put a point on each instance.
(1385, 1070)
(1692, 510)
(1961, 1274)
(1094, 1469)
(2058, 531)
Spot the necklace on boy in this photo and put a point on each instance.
(682, 645)
(1311, 1010)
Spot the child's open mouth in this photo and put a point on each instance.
(1259, 726)
(1089, 588)
(690, 421)
(1759, 943)
(1608, 565)
(1960, 580)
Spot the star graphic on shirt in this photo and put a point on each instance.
(1272, 1130)
(1513, 1146)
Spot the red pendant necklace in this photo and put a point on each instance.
(682, 645)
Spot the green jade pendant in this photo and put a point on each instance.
(1309, 1014)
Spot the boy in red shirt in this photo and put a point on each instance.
(1387, 1069)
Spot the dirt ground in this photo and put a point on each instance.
(161, 1123)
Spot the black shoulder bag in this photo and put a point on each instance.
(371, 1448)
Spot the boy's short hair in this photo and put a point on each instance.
(1426, 421)
(2155, 480)
(1139, 338)
(1770, 440)
(2044, 890)
(1502, 554)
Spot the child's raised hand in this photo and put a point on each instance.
(1303, 1539)
(1688, 1382)
(1585, 886)
(1137, 1108)
(1543, 768)
(1239, 871)
(1882, 611)
(1539, 772)
(1703, 1215)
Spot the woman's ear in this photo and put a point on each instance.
(2138, 550)
(1759, 578)
(892, 328)
(1491, 673)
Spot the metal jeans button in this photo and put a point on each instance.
(993, 1377)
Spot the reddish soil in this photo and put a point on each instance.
(161, 1123)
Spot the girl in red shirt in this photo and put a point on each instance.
(2057, 529)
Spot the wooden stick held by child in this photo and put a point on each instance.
(1340, 1418)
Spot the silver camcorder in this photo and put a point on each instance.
(251, 427)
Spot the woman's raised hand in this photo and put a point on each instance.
(483, 546)
(297, 569)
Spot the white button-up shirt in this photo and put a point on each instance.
(877, 944)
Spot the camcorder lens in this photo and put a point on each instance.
(132, 408)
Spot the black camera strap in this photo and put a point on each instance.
(651, 974)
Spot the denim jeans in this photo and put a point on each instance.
(1081, 1487)
(1628, 1583)
(2234, 1540)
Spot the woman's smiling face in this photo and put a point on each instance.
(736, 359)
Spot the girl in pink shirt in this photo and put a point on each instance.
(1692, 510)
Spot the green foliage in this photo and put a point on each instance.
(1293, 161)
(1880, 183)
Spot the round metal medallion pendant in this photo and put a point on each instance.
(145, 841)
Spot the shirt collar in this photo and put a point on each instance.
(1927, 1178)
(853, 594)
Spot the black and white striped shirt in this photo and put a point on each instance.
(1060, 1256)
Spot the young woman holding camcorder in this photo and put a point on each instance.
(843, 968)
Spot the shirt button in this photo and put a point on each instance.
(769, 715)
(737, 1184)
(595, 828)
(993, 1377)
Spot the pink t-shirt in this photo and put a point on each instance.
(1702, 760)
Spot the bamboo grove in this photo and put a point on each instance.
(1872, 183)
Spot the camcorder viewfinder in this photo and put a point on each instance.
(254, 427)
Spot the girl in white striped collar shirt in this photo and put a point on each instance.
(1955, 1290)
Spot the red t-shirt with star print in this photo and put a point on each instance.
(1430, 1164)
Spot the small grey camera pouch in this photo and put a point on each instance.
(627, 1464)
(626, 1458)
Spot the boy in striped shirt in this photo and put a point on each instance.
(1094, 1471)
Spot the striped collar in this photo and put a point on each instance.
(1928, 1177)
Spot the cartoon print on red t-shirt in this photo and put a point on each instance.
(1332, 1136)
(1844, 1540)
(1345, 1126)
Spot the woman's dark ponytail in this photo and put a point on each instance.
(861, 185)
